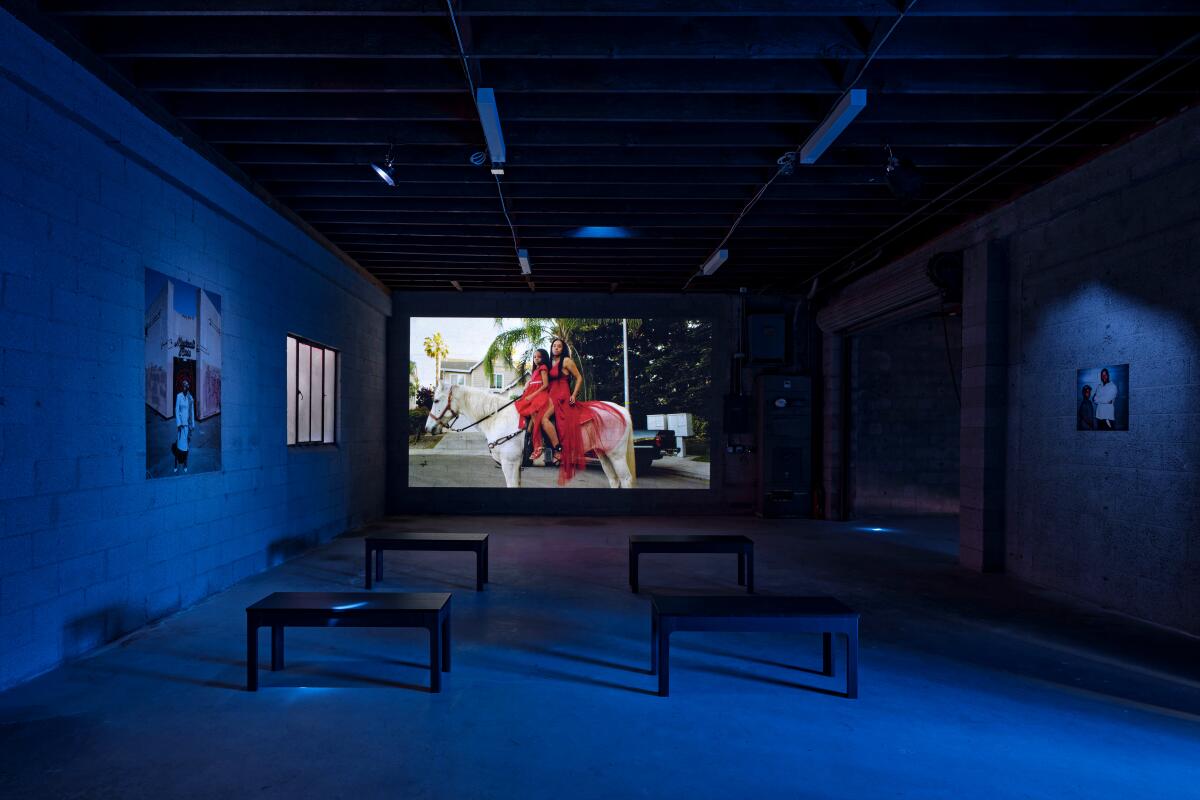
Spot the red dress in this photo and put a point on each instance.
(584, 427)
(531, 405)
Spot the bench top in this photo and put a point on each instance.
(352, 602)
(750, 606)
(688, 538)
(409, 536)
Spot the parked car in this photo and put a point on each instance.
(649, 446)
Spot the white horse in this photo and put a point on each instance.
(458, 407)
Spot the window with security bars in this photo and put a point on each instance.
(311, 392)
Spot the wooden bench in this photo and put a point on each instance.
(376, 542)
(651, 543)
(349, 610)
(823, 615)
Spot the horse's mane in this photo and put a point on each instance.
(484, 400)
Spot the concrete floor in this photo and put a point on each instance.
(971, 686)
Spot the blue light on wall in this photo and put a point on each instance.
(601, 232)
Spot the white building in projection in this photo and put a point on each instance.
(180, 344)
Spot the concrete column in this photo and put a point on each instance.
(984, 389)
(834, 459)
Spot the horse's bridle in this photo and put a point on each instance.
(438, 419)
(450, 425)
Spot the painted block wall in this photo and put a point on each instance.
(1102, 266)
(91, 194)
(904, 425)
(1105, 269)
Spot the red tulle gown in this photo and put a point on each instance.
(584, 427)
(530, 405)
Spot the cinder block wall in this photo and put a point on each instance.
(1105, 269)
(904, 422)
(91, 194)
(1099, 266)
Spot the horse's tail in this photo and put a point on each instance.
(630, 459)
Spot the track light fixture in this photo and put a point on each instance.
(388, 171)
(902, 176)
(714, 262)
(489, 116)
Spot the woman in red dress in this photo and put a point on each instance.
(535, 402)
(582, 426)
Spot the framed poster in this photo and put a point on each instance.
(183, 377)
(1102, 398)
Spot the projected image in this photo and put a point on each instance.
(183, 378)
(1102, 397)
(549, 403)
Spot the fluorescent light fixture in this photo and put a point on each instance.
(600, 232)
(485, 101)
(714, 262)
(387, 172)
(842, 115)
(523, 258)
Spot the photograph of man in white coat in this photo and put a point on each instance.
(1105, 403)
(1105, 398)
(185, 423)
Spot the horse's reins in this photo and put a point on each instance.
(449, 426)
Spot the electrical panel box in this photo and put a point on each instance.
(784, 465)
(767, 338)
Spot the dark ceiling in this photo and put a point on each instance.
(660, 116)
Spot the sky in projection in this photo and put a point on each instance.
(467, 337)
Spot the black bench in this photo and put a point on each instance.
(823, 615)
(349, 610)
(376, 542)
(650, 543)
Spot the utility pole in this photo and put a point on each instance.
(625, 356)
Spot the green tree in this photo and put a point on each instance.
(414, 382)
(515, 346)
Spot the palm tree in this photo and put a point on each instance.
(437, 349)
(515, 346)
(414, 381)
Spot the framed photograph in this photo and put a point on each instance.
(1102, 398)
(183, 377)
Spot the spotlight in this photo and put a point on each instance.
(787, 163)
(388, 171)
(902, 176)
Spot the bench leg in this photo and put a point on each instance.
(367, 565)
(852, 665)
(480, 569)
(633, 570)
(750, 572)
(378, 566)
(741, 569)
(487, 576)
(653, 642)
(446, 643)
(251, 657)
(826, 653)
(276, 648)
(664, 662)
(435, 657)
